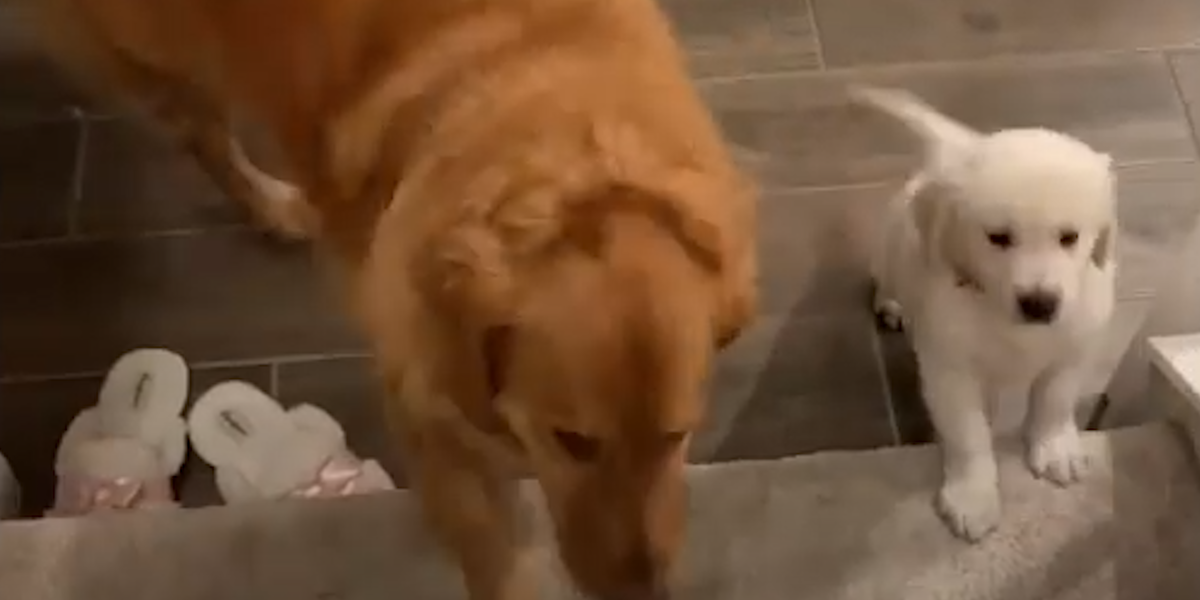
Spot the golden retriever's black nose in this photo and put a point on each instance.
(1038, 307)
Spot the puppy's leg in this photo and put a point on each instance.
(886, 265)
(887, 309)
(1055, 451)
(969, 499)
(888, 312)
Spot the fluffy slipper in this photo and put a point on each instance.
(122, 453)
(261, 451)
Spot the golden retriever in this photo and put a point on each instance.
(536, 219)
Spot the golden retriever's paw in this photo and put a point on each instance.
(969, 507)
(288, 217)
(1059, 457)
(280, 207)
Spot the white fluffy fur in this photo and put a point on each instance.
(959, 290)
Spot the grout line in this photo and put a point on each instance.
(118, 236)
(1122, 165)
(1015, 59)
(898, 180)
(102, 117)
(197, 366)
(12, 120)
(1183, 102)
(818, 41)
(274, 380)
(888, 401)
(131, 236)
(77, 173)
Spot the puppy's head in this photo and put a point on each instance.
(1019, 215)
(1026, 216)
(597, 362)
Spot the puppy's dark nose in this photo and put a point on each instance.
(1038, 307)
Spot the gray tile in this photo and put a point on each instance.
(904, 389)
(820, 388)
(35, 414)
(795, 425)
(1128, 319)
(725, 38)
(1159, 205)
(733, 381)
(34, 88)
(136, 179)
(1175, 310)
(38, 170)
(220, 296)
(815, 247)
(856, 32)
(1186, 66)
(348, 390)
(799, 130)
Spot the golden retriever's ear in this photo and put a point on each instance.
(718, 218)
(1104, 248)
(465, 284)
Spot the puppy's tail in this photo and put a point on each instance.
(944, 137)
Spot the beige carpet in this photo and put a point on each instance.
(838, 526)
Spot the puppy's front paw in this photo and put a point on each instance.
(1059, 457)
(888, 314)
(970, 507)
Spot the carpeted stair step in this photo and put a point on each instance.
(833, 526)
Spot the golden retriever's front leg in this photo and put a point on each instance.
(474, 509)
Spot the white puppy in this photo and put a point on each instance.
(1000, 252)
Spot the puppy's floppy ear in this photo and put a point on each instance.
(932, 210)
(1104, 248)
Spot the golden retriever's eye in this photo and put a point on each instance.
(1068, 238)
(578, 446)
(1000, 239)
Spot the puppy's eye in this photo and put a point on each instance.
(578, 446)
(1068, 238)
(1000, 239)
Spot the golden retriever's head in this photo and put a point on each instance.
(598, 364)
(604, 385)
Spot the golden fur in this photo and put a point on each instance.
(534, 214)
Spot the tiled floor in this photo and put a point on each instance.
(110, 240)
